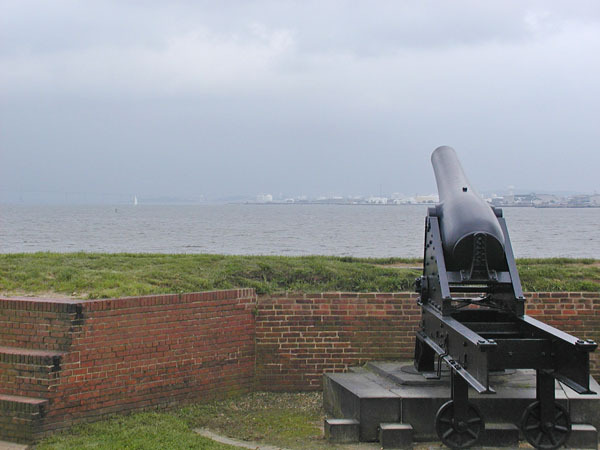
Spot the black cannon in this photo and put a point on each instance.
(474, 321)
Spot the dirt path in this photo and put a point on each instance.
(258, 446)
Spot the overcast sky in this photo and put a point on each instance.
(188, 98)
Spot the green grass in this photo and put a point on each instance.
(560, 274)
(288, 420)
(146, 430)
(291, 420)
(109, 275)
(96, 275)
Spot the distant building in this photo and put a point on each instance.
(431, 198)
(524, 199)
(580, 200)
(545, 200)
(378, 200)
(497, 201)
(404, 201)
(264, 198)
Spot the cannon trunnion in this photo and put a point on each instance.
(473, 317)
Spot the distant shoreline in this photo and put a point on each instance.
(409, 204)
(249, 203)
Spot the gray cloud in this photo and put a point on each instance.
(296, 97)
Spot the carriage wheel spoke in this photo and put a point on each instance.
(538, 438)
(448, 432)
(552, 438)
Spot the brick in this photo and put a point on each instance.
(138, 352)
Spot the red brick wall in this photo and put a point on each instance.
(38, 323)
(577, 313)
(300, 336)
(133, 353)
(124, 354)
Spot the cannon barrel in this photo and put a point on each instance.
(467, 223)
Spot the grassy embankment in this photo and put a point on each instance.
(90, 275)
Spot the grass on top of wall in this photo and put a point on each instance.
(96, 275)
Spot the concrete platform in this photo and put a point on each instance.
(395, 435)
(500, 435)
(341, 430)
(583, 436)
(364, 397)
(391, 392)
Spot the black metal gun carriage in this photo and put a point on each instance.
(473, 317)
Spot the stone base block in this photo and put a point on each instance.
(341, 430)
(393, 393)
(395, 435)
(583, 436)
(500, 435)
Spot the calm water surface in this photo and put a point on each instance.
(370, 231)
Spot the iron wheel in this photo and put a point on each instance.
(549, 435)
(456, 434)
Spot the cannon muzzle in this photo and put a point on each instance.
(471, 234)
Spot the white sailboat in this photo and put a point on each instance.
(135, 200)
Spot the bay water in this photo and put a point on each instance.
(276, 229)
